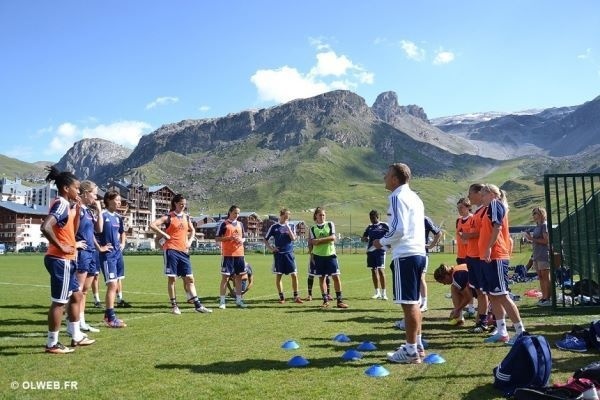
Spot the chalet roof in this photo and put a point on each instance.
(23, 209)
(209, 225)
(156, 188)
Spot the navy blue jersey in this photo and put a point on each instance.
(375, 231)
(430, 227)
(279, 233)
(86, 228)
(113, 228)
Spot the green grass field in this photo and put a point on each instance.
(237, 354)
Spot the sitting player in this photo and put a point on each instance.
(247, 281)
(458, 277)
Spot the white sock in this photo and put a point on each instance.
(384, 292)
(420, 341)
(411, 348)
(52, 338)
(82, 320)
(501, 325)
(222, 300)
(423, 301)
(96, 297)
(378, 292)
(238, 298)
(75, 331)
(519, 327)
(119, 296)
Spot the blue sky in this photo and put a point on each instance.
(121, 69)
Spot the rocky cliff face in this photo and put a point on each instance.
(93, 158)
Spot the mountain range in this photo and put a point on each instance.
(334, 148)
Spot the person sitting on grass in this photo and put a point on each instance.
(458, 279)
(247, 281)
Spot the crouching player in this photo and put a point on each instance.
(458, 279)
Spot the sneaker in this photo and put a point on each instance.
(281, 301)
(298, 300)
(400, 325)
(384, 297)
(203, 310)
(308, 298)
(492, 330)
(456, 322)
(222, 306)
(421, 351)
(376, 296)
(58, 349)
(341, 304)
(114, 323)
(479, 328)
(572, 343)
(70, 334)
(325, 304)
(123, 304)
(402, 356)
(241, 304)
(423, 308)
(175, 310)
(497, 338)
(514, 339)
(85, 341)
(544, 303)
(97, 304)
(88, 328)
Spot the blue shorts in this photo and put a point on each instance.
(312, 269)
(87, 261)
(376, 259)
(233, 265)
(475, 273)
(406, 274)
(62, 278)
(177, 263)
(284, 263)
(113, 267)
(326, 265)
(495, 277)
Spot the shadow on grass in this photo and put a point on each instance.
(258, 364)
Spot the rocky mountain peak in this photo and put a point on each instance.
(387, 109)
(92, 157)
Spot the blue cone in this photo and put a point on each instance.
(366, 346)
(290, 345)
(434, 358)
(376, 371)
(352, 355)
(298, 361)
(342, 338)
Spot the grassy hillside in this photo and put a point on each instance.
(12, 168)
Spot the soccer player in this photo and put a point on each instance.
(59, 228)
(113, 268)
(284, 262)
(430, 227)
(462, 223)
(90, 222)
(322, 241)
(495, 247)
(407, 241)
(247, 281)
(231, 236)
(458, 279)
(376, 257)
(541, 253)
(177, 236)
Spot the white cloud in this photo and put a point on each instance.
(586, 55)
(125, 133)
(412, 51)
(443, 57)
(204, 108)
(331, 72)
(162, 101)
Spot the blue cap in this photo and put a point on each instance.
(342, 338)
(298, 361)
(290, 345)
(434, 358)
(376, 371)
(352, 355)
(366, 346)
